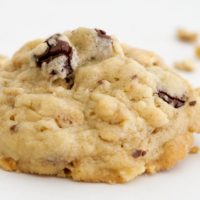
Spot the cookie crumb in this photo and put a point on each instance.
(186, 35)
(138, 153)
(192, 103)
(185, 65)
(194, 150)
(197, 51)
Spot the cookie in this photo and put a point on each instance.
(82, 105)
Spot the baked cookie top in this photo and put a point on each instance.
(82, 104)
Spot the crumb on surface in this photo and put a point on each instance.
(186, 35)
(194, 150)
(197, 51)
(185, 65)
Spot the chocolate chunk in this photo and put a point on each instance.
(102, 34)
(139, 153)
(56, 48)
(174, 101)
(192, 103)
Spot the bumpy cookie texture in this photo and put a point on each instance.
(124, 113)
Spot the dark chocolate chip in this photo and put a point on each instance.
(192, 103)
(60, 48)
(102, 34)
(138, 153)
(66, 171)
(174, 101)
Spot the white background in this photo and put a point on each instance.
(149, 24)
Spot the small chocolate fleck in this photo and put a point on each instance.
(53, 72)
(102, 34)
(138, 153)
(66, 171)
(155, 63)
(174, 101)
(116, 79)
(156, 130)
(133, 77)
(100, 82)
(192, 103)
(59, 48)
(14, 128)
(70, 80)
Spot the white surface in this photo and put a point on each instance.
(148, 24)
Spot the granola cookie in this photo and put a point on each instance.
(81, 105)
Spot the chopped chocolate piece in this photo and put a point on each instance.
(102, 34)
(192, 103)
(56, 48)
(174, 101)
(139, 153)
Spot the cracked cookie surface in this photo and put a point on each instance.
(82, 105)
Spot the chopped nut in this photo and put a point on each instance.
(186, 35)
(194, 150)
(185, 65)
(197, 51)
